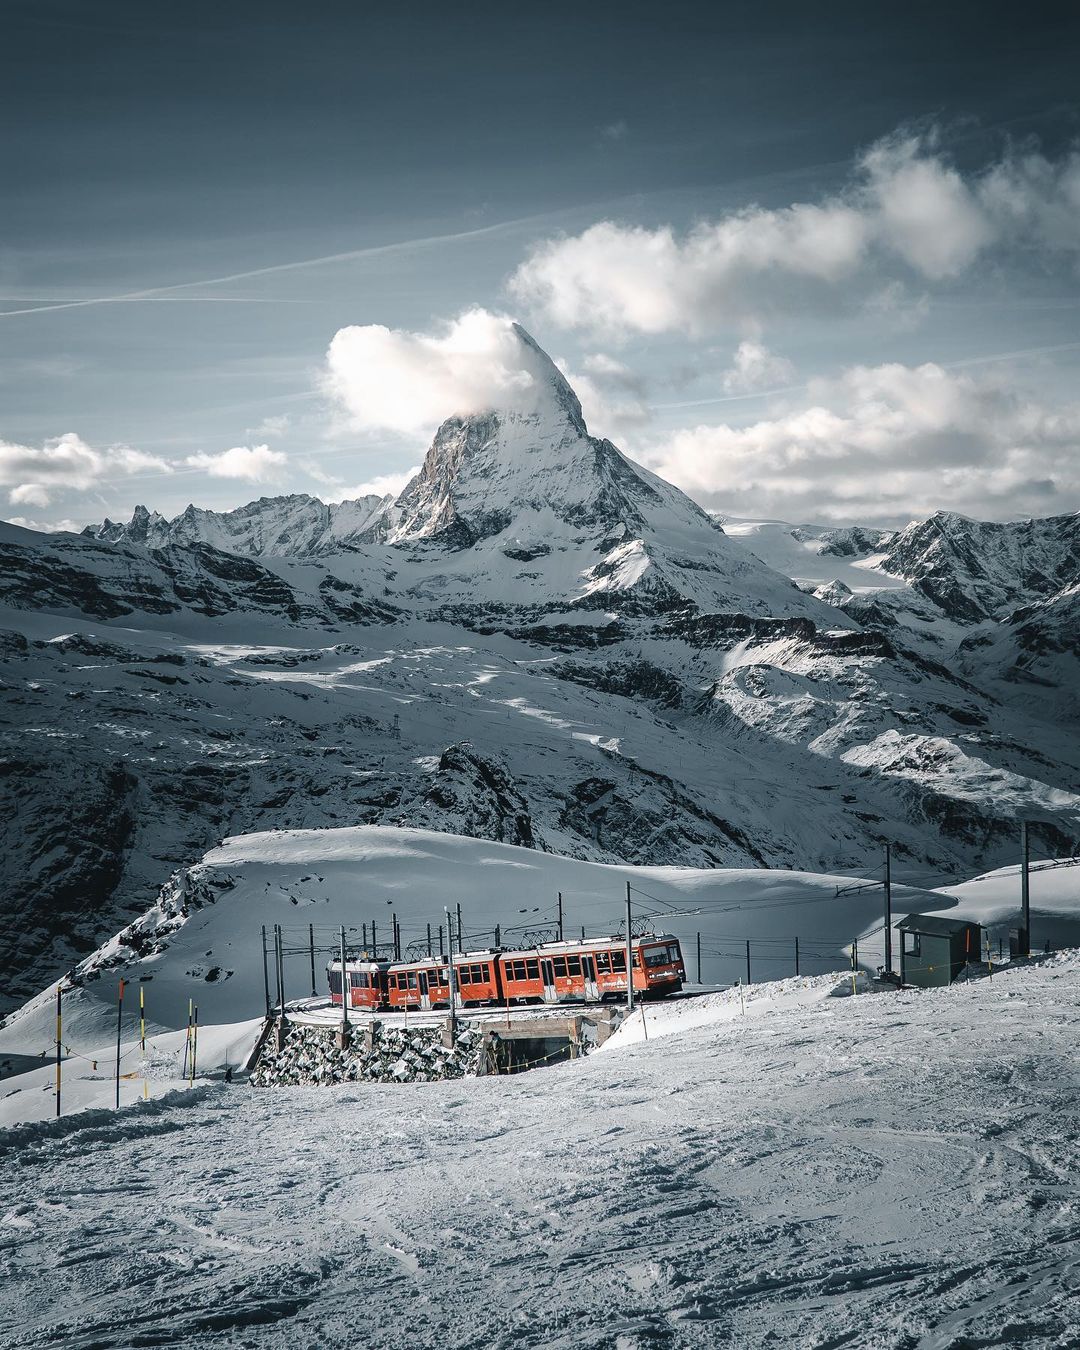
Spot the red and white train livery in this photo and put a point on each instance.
(554, 972)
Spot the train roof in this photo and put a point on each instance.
(567, 945)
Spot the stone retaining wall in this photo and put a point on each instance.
(311, 1056)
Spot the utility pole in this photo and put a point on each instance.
(699, 958)
(397, 936)
(629, 956)
(450, 974)
(460, 944)
(266, 972)
(311, 946)
(374, 942)
(429, 939)
(561, 916)
(344, 989)
(1025, 891)
(119, 1028)
(747, 960)
(796, 956)
(888, 908)
(442, 949)
(281, 965)
(498, 936)
(59, 1033)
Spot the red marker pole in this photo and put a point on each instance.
(119, 1025)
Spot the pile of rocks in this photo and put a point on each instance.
(311, 1056)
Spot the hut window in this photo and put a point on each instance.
(912, 944)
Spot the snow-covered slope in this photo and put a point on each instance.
(891, 1171)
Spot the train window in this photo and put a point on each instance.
(603, 962)
(656, 956)
(532, 969)
(618, 960)
(485, 971)
(573, 965)
(559, 964)
(519, 970)
(362, 981)
(412, 979)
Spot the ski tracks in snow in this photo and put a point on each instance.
(894, 1171)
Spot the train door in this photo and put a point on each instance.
(547, 973)
(588, 970)
(422, 985)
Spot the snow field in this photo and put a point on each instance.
(889, 1171)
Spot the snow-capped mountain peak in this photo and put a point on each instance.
(297, 525)
(483, 472)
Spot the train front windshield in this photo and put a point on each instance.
(667, 955)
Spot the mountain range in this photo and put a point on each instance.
(537, 642)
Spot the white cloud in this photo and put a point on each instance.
(269, 426)
(614, 398)
(43, 526)
(252, 463)
(924, 210)
(66, 464)
(386, 484)
(389, 379)
(886, 443)
(755, 367)
(905, 213)
(613, 131)
(29, 494)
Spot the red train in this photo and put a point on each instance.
(554, 972)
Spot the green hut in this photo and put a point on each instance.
(934, 950)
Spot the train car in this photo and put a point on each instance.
(365, 981)
(588, 971)
(426, 983)
(591, 970)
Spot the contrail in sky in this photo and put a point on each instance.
(375, 251)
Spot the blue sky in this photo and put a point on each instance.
(806, 262)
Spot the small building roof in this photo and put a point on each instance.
(935, 925)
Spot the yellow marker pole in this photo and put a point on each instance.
(58, 1049)
(145, 1090)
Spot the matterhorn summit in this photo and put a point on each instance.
(539, 510)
